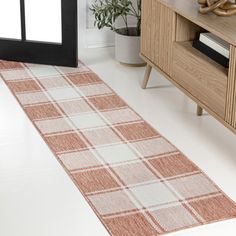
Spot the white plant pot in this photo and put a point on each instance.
(128, 48)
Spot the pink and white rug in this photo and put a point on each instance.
(136, 181)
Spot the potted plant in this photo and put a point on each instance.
(127, 44)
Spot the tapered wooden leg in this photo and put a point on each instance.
(147, 76)
(199, 111)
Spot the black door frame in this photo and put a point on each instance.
(64, 53)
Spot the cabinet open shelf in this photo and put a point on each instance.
(207, 63)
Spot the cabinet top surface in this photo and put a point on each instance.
(224, 27)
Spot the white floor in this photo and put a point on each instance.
(37, 198)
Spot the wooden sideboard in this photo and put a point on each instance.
(168, 28)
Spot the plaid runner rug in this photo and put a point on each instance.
(136, 181)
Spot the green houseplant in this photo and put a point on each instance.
(107, 13)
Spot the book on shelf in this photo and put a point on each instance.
(213, 47)
(215, 43)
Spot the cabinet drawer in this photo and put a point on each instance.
(200, 76)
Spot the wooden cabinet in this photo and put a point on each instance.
(168, 28)
(158, 32)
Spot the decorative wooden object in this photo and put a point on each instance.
(168, 28)
(219, 7)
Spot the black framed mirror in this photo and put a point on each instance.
(45, 32)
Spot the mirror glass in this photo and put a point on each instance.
(10, 20)
(43, 20)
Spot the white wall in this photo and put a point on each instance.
(89, 36)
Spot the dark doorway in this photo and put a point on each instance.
(62, 53)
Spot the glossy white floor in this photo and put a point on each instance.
(37, 198)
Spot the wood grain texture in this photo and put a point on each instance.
(224, 27)
(146, 28)
(201, 76)
(231, 86)
(186, 30)
(158, 33)
(146, 77)
(234, 111)
(188, 94)
(169, 26)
